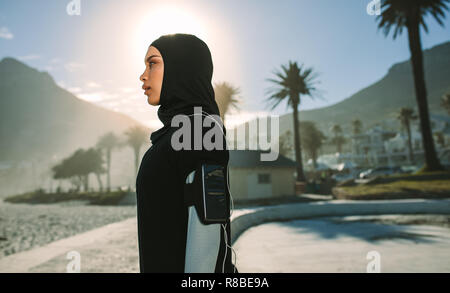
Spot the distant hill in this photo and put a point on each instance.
(39, 118)
(41, 123)
(379, 102)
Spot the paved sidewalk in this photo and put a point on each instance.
(111, 248)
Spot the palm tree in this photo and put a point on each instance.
(399, 14)
(286, 146)
(94, 161)
(293, 82)
(312, 140)
(225, 95)
(440, 138)
(356, 129)
(405, 116)
(357, 126)
(445, 102)
(136, 136)
(337, 139)
(108, 142)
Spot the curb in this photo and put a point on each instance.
(286, 212)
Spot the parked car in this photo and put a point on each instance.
(409, 169)
(342, 176)
(383, 170)
(347, 174)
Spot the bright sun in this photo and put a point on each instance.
(169, 19)
(166, 20)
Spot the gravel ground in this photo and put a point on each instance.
(26, 226)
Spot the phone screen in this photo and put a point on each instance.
(215, 203)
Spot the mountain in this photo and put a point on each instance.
(42, 123)
(40, 119)
(379, 102)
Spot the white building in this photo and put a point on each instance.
(369, 148)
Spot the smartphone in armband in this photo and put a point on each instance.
(206, 188)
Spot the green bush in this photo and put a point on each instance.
(94, 198)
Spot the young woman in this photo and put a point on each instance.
(177, 77)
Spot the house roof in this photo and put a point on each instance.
(252, 158)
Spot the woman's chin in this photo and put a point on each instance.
(152, 101)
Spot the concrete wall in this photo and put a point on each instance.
(243, 182)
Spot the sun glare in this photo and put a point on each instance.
(166, 20)
(170, 19)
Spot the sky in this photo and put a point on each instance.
(99, 54)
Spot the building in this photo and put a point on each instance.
(397, 147)
(381, 147)
(251, 178)
(441, 124)
(368, 148)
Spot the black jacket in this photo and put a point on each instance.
(162, 215)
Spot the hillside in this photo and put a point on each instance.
(41, 123)
(39, 118)
(380, 101)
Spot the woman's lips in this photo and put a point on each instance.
(145, 92)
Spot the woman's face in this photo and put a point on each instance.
(152, 77)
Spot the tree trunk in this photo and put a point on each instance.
(339, 144)
(408, 129)
(298, 152)
(86, 183)
(108, 162)
(99, 179)
(314, 157)
(431, 161)
(79, 182)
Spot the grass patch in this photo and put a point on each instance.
(425, 169)
(420, 173)
(94, 198)
(397, 189)
(246, 203)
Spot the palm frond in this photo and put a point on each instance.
(398, 14)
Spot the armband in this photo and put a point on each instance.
(206, 188)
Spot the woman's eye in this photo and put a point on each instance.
(152, 63)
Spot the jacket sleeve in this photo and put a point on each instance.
(187, 159)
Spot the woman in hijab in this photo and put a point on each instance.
(171, 239)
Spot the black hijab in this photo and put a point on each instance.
(188, 70)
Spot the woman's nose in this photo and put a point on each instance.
(143, 77)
